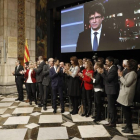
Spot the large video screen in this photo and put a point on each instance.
(102, 25)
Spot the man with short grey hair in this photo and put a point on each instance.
(46, 81)
(50, 62)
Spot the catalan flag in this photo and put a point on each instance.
(26, 53)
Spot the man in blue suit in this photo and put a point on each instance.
(56, 75)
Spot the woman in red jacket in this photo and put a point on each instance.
(30, 77)
(88, 86)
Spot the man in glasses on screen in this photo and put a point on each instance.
(97, 37)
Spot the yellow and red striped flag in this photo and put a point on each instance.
(26, 53)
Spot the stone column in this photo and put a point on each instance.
(13, 48)
(8, 45)
(30, 26)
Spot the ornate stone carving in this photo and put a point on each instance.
(12, 47)
(21, 27)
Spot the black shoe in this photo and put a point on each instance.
(44, 108)
(17, 99)
(110, 125)
(21, 100)
(96, 120)
(84, 114)
(30, 103)
(93, 117)
(88, 114)
(54, 111)
(40, 105)
(62, 111)
(71, 112)
(128, 130)
(124, 127)
(74, 113)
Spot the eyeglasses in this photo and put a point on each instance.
(96, 18)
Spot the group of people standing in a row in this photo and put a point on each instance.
(79, 79)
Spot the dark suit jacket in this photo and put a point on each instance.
(81, 69)
(56, 78)
(45, 74)
(18, 76)
(39, 71)
(137, 94)
(111, 81)
(109, 40)
(98, 80)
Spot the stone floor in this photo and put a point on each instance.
(21, 121)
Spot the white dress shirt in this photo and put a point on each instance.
(55, 68)
(29, 80)
(98, 35)
(74, 71)
(110, 68)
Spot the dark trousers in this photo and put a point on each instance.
(98, 103)
(56, 90)
(31, 88)
(128, 116)
(74, 101)
(37, 90)
(27, 91)
(46, 90)
(86, 100)
(40, 86)
(112, 108)
(19, 84)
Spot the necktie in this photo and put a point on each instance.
(56, 69)
(17, 68)
(95, 42)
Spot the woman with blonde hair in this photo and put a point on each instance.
(30, 76)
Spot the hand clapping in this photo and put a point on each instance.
(119, 73)
(58, 69)
(80, 74)
(89, 75)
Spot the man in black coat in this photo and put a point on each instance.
(39, 78)
(98, 37)
(19, 79)
(110, 78)
(98, 91)
(46, 84)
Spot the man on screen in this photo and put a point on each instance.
(98, 37)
